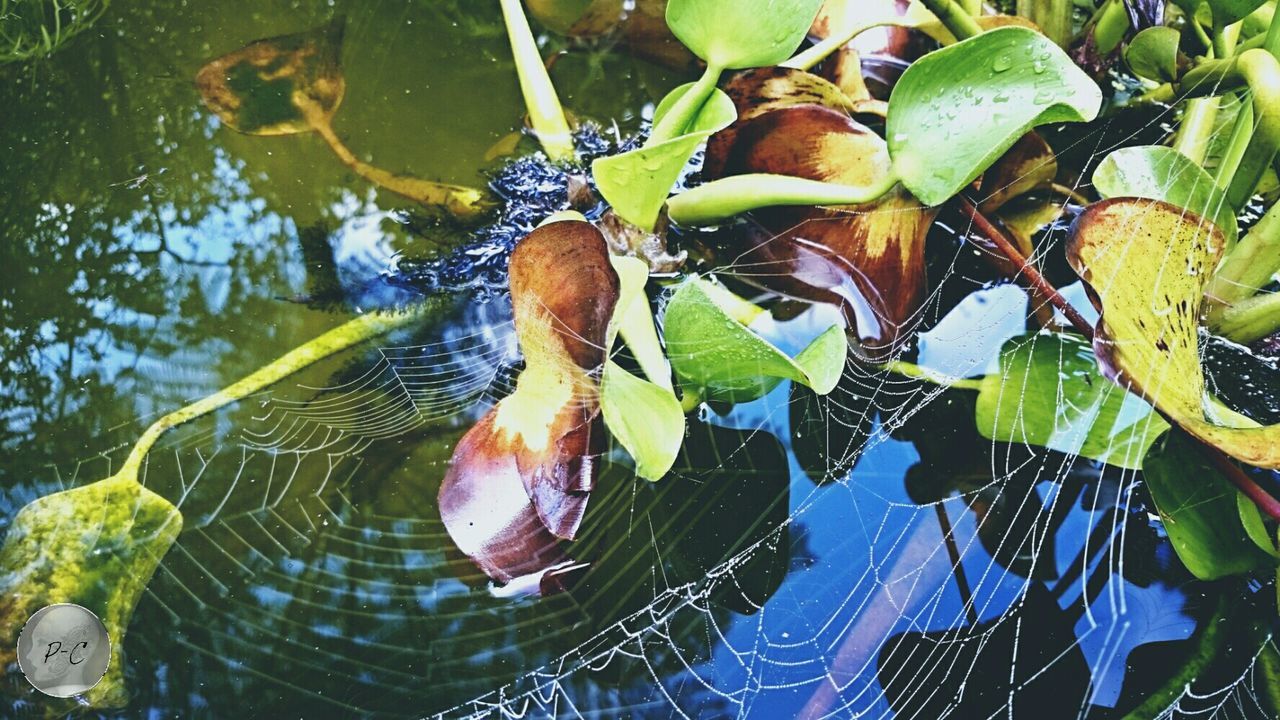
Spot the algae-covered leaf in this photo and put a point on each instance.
(1199, 509)
(1162, 173)
(956, 110)
(738, 34)
(636, 183)
(1048, 392)
(96, 546)
(1147, 262)
(721, 358)
(277, 86)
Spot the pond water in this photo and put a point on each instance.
(153, 255)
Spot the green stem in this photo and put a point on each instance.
(638, 332)
(1196, 128)
(1247, 320)
(1250, 264)
(682, 113)
(911, 370)
(1270, 661)
(540, 99)
(1241, 134)
(722, 199)
(1052, 16)
(1209, 643)
(973, 7)
(960, 23)
(820, 50)
(1260, 71)
(343, 337)
(1110, 25)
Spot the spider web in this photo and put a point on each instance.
(314, 575)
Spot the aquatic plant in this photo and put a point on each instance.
(31, 29)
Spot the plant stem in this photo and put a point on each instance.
(1247, 320)
(912, 370)
(1028, 274)
(1249, 265)
(722, 199)
(973, 7)
(960, 23)
(540, 99)
(1110, 24)
(820, 50)
(682, 113)
(1196, 128)
(1241, 134)
(1260, 71)
(343, 337)
(1052, 16)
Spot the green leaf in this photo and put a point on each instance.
(1224, 12)
(1162, 173)
(739, 34)
(1153, 54)
(1049, 392)
(637, 183)
(1198, 507)
(644, 418)
(96, 546)
(1254, 526)
(1147, 263)
(722, 359)
(956, 110)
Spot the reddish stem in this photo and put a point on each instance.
(1032, 277)
(1028, 274)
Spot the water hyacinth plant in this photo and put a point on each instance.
(773, 231)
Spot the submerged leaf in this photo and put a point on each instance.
(738, 34)
(1162, 173)
(522, 476)
(1147, 263)
(1199, 509)
(1013, 78)
(277, 86)
(720, 358)
(1048, 392)
(96, 546)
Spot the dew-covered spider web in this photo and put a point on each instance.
(864, 554)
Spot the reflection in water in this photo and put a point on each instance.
(152, 255)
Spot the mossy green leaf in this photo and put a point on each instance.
(636, 183)
(956, 110)
(739, 34)
(1162, 173)
(1049, 392)
(722, 359)
(96, 546)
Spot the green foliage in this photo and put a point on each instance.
(35, 28)
(1224, 12)
(1198, 507)
(717, 356)
(1162, 173)
(1153, 54)
(739, 34)
(956, 110)
(636, 183)
(1049, 392)
(644, 418)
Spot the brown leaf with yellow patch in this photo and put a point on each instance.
(869, 259)
(521, 477)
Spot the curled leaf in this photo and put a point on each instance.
(868, 259)
(1153, 54)
(1013, 77)
(719, 357)
(521, 477)
(1146, 263)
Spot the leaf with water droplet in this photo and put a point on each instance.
(967, 143)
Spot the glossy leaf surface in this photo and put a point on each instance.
(1162, 173)
(1013, 78)
(737, 34)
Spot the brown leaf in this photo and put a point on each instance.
(868, 259)
(1028, 165)
(521, 477)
